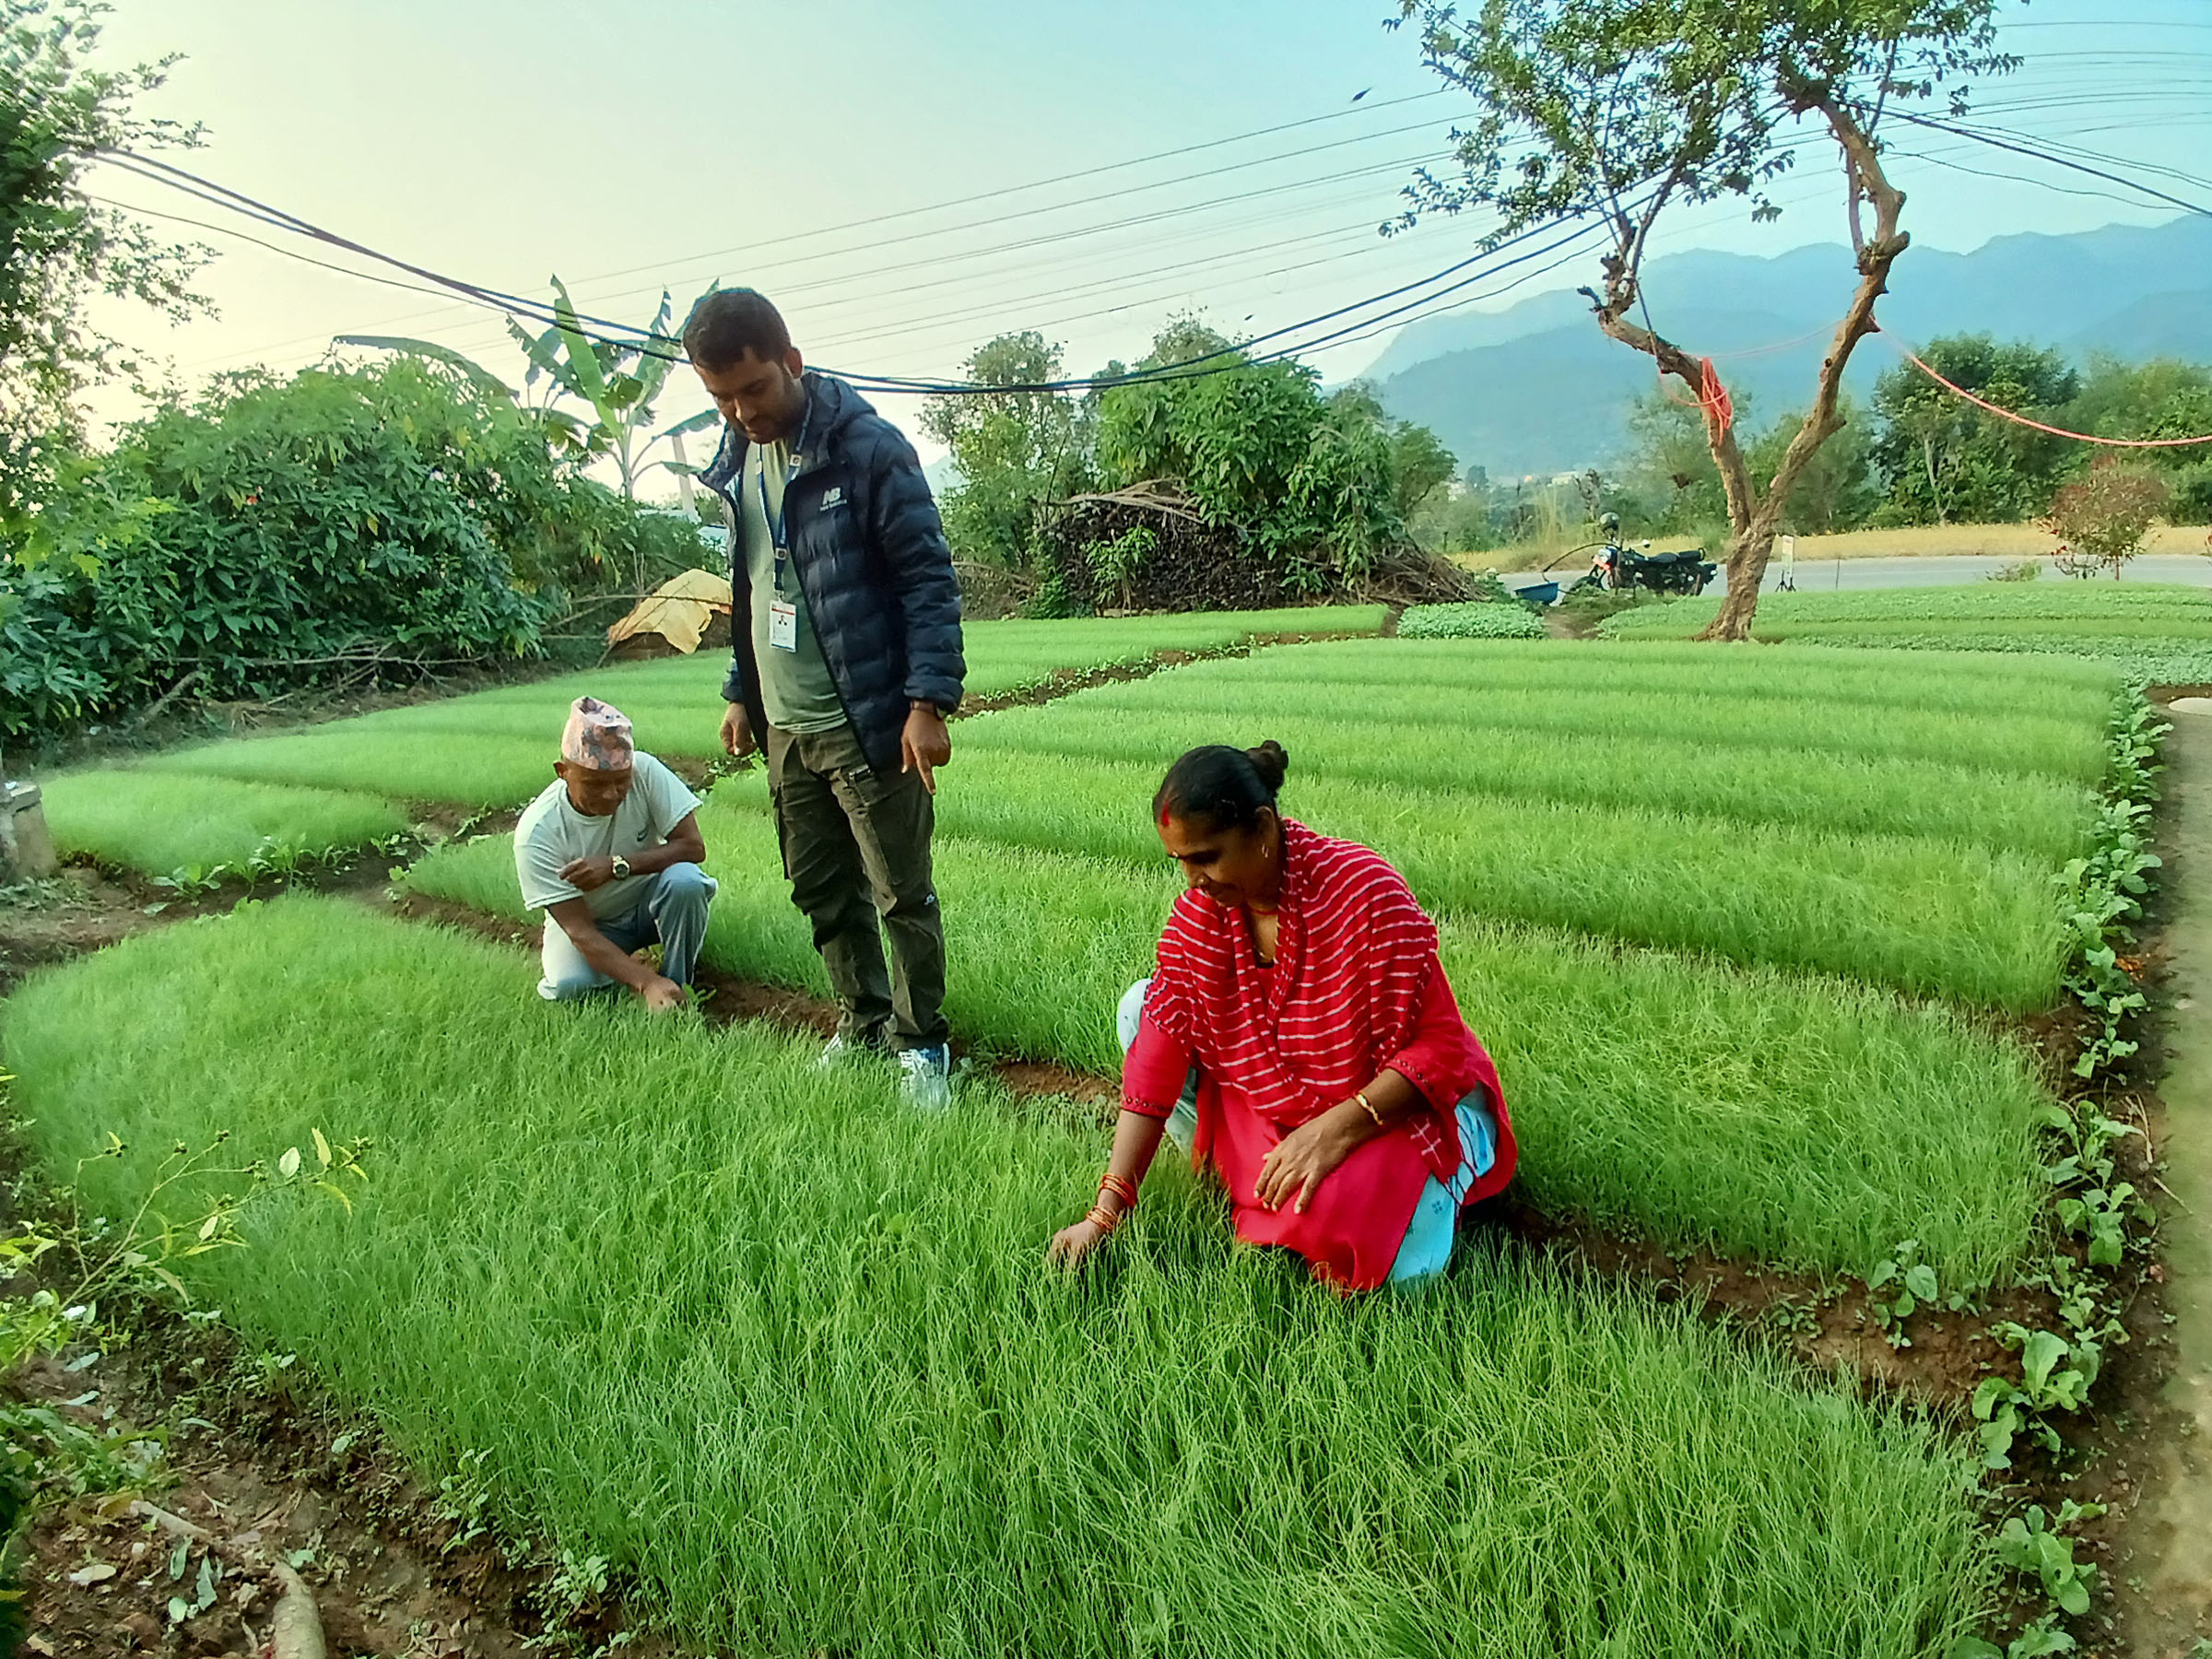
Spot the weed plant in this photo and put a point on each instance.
(1806, 1121)
(163, 822)
(790, 1359)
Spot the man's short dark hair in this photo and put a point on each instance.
(730, 322)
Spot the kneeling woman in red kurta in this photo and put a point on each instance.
(1300, 1007)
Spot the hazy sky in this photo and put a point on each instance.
(810, 150)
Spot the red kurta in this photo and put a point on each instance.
(1356, 989)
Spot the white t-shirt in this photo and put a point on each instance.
(551, 831)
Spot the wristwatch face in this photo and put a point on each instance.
(621, 869)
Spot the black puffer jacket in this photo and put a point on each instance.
(870, 555)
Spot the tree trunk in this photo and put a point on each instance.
(1753, 513)
(1747, 555)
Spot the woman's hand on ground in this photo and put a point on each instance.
(1071, 1244)
(1297, 1165)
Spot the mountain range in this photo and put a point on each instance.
(1536, 389)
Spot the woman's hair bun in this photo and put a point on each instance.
(1272, 762)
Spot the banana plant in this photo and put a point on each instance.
(619, 379)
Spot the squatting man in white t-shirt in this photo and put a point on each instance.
(610, 852)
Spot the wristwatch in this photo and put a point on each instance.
(621, 868)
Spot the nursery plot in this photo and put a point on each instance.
(2086, 603)
(790, 1359)
(1502, 620)
(496, 749)
(467, 771)
(2155, 632)
(1918, 914)
(1811, 1122)
(162, 823)
(2043, 715)
(1371, 737)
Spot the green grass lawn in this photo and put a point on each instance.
(789, 1357)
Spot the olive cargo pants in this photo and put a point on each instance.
(855, 847)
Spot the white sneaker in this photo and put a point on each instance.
(925, 1077)
(835, 1053)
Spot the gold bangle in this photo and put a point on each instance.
(1368, 1106)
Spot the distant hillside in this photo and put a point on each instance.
(1537, 389)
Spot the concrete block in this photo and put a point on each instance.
(26, 849)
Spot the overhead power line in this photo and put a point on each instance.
(586, 286)
(645, 343)
(2055, 161)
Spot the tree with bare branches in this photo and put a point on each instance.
(1619, 110)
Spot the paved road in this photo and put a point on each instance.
(1822, 576)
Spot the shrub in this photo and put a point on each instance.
(284, 532)
(2100, 520)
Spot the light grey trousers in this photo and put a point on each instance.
(672, 908)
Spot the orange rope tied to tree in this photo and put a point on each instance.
(1712, 399)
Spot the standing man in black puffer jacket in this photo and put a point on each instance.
(845, 625)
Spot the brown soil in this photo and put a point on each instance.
(249, 1455)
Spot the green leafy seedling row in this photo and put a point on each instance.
(1805, 1122)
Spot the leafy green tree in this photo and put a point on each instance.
(2161, 398)
(1836, 489)
(1671, 485)
(1618, 110)
(1016, 450)
(1944, 461)
(1418, 460)
(1308, 480)
(58, 247)
(1669, 469)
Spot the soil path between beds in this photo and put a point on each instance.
(2169, 1553)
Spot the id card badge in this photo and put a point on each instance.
(783, 625)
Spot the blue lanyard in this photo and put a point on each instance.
(776, 520)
